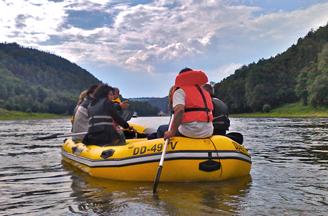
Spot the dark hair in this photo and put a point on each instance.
(185, 70)
(209, 88)
(92, 89)
(101, 92)
(116, 89)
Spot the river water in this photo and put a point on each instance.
(289, 175)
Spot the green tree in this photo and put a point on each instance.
(319, 91)
(323, 59)
(301, 87)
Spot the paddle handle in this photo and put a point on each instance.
(163, 152)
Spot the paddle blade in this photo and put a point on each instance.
(158, 176)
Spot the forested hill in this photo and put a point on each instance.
(36, 81)
(298, 74)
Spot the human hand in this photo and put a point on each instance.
(124, 104)
(131, 129)
(168, 135)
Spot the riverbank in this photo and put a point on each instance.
(15, 115)
(294, 110)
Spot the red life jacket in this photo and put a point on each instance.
(198, 102)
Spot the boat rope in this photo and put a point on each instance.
(217, 154)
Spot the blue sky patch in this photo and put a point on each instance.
(88, 19)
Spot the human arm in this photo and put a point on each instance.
(125, 104)
(117, 106)
(178, 103)
(178, 114)
(114, 114)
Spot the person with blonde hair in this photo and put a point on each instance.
(82, 96)
(80, 117)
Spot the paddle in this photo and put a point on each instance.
(138, 129)
(59, 135)
(160, 167)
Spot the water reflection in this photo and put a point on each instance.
(101, 196)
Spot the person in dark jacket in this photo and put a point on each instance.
(104, 121)
(221, 120)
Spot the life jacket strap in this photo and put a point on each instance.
(205, 103)
(196, 109)
(102, 123)
(100, 117)
(100, 120)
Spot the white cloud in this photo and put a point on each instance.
(145, 34)
(161, 32)
(30, 22)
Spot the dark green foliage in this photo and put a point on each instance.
(319, 91)
(143, 108)
(266, 108)
(297, 74)
(301, 87)
(232, 91)
(160, 103)
(35, 81)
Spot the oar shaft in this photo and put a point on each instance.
(54, 136)
(72, 134)
(163, 152)
(161, 162)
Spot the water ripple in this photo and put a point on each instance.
(289, 175)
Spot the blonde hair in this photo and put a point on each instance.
(82, 96)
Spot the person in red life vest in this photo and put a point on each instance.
(192, 106)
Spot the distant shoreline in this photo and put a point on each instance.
(295, 110)
(280, 115)
(17, 115)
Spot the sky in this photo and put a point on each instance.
(140, 46)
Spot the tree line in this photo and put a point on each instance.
(298, 74)
(37, 81)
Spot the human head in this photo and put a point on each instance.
(209, 88)
(116, 92)
(83, 94)
(103, 91)
(185, 70)
(190, 77)
(91, 90)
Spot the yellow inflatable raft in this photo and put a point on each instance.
(212, 159)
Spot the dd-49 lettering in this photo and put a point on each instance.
(155, 148)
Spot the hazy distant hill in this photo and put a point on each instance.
(160, 103)
(299, 73)
(36, 81)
